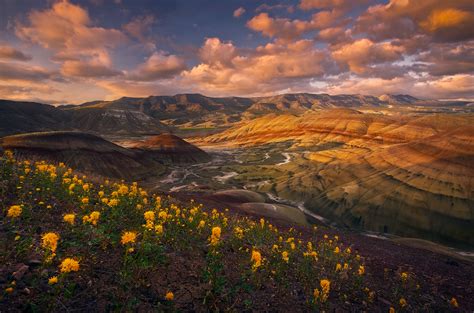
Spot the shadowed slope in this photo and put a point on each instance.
(87, 152)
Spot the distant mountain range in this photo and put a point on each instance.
(155, 114)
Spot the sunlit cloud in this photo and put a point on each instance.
(239, 12)
(363, 46)
(10, 53)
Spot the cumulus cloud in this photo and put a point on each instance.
(67, 30)
(7, 52)
(334, 35)
(362, 53)
(278, 27)
(442, 20)
(158, 66)
(268, 68)
(214, 51)
(287, 29)
(67, 26)
(12, 71)
(239, 12)
(450, 87)
(447, 59)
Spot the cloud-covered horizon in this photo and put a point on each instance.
(76, 51)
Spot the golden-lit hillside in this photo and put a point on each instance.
(408, 175)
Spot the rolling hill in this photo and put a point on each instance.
(407, 175)
(171, 149)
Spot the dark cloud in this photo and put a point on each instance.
(7, 52)
(21, 72)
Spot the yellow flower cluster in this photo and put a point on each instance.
(128, 237)
(256, 260)
(150, 219)
(69, 218)
(69, 265)
(92, 218)
(50, 241)
(239, 233)
(215, 236)
(53, 280)
(169, 296)
(323, 294)
(14, 211)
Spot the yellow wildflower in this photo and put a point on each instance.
(128, 237)
(239, 233)
(85, 200)
(316, 294)
(403, 302)
(53, 280)
(338, 267)
(113, 202)
(85, 187)
(69, 265)
(9, 290)
(215, 236)
(325, 285)
(337, 250)
(256, 259)
(361, 270)
(202, 223)
(69, 218)
(149, 218)
(404, 276)
(123, 189)
(454, 302)
(14, 211)
(285, 257)
(50, 241)
(92, 218)
(391, 310)
(159, 229)
(169, 296)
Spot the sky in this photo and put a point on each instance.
(59, 51)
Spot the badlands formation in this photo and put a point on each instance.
(407, 175)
